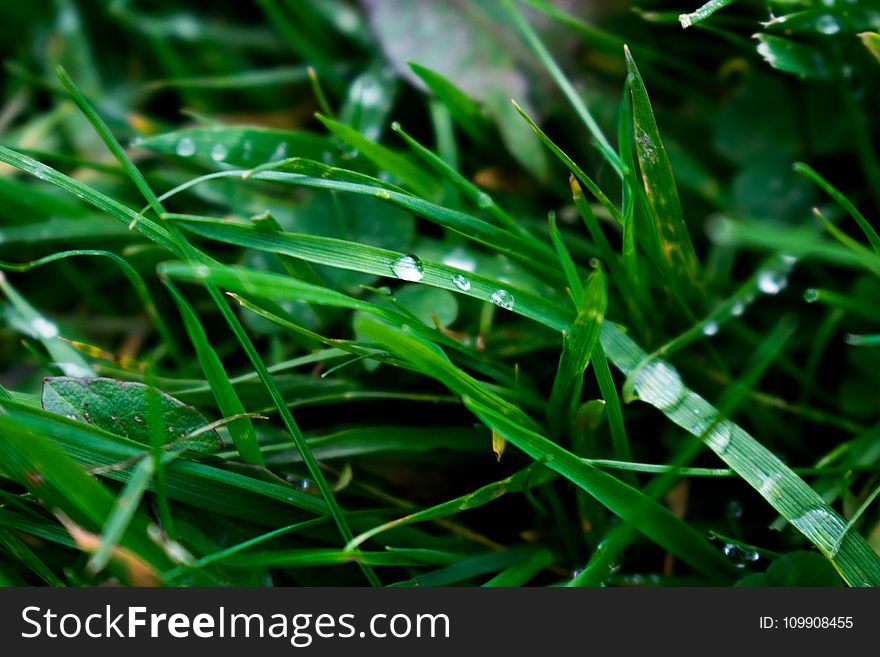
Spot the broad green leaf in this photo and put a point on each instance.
(121, 408)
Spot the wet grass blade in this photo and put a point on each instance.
(676, 249)
(656, 521)
(661, 386)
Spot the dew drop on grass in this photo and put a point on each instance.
(718, 437)
(461, 282)
(383, 195)
(823, 528)
(738, 309)
(219, 152)
(811, 295)
(44, 328)
(409, 268)
(279, 153)
(710, 329)
(186, 147)
(771, 486)
(828, 24)
(659, 385)
(138, 419)
(740, 556)
(772, 281)
(503, 299)
(484, 200)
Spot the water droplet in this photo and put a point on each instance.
(577, 572)
(279, 153)
(811, 295)
(87, 417)
(788, 259)
(719, 229)
(710, 329)
(70, 416)
(219, 152)
(171, 429)
(738, 309)
(659, 385)
(771, 486)
(384, 195)
(718, 437)
(44, 328)
(138, 419)
(828, 24)
(186, 147)
(202, 271)
(409, 268)
(503, 299)
(371, 95)
(772, 281)
(740, 556)
(461, 282)
(484, 200)
(823, 528)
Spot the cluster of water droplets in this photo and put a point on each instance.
(410, 268)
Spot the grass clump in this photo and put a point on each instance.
(295, 295)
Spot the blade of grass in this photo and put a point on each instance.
(676, 249)
(577, 348)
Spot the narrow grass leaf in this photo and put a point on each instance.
(578, 345)
(676, 249)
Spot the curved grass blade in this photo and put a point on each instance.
(410, 174)
(470, 191)
(519, 482)
(661, 386)
(562, 81)
(187, 250)
(844, 202)
(655, 521)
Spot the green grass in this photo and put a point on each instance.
(619, 332)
